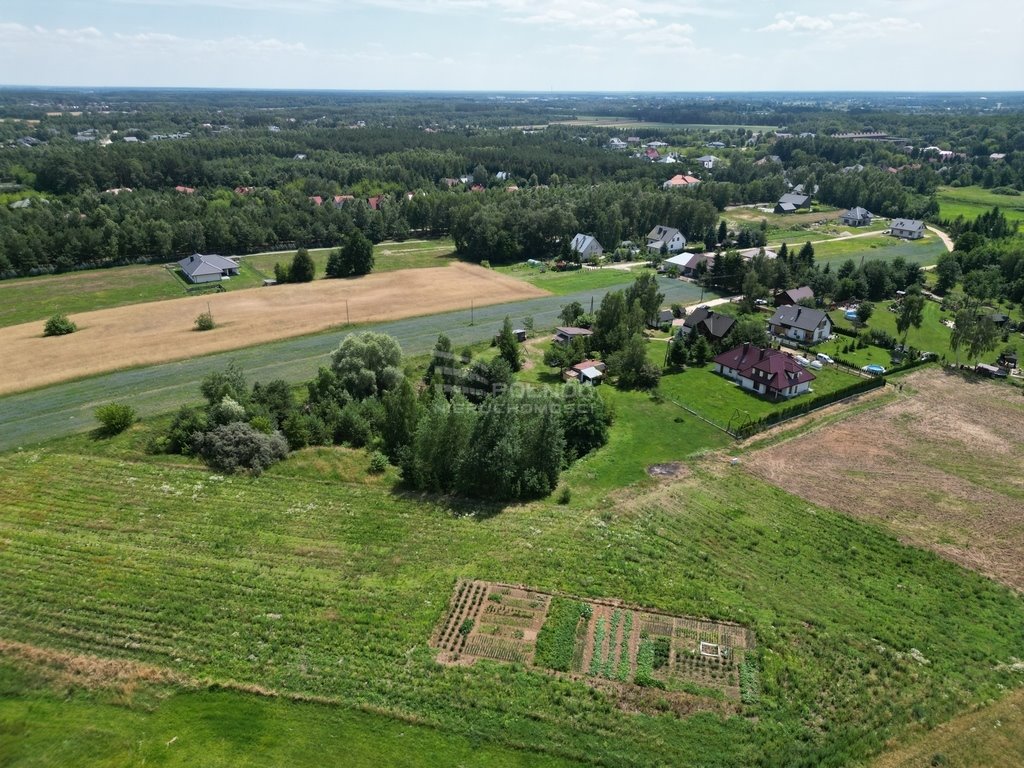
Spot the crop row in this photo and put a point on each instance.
(466, 605)
(497, 648)
(556, 640)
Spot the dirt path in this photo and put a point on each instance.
(946, 239)
(144, 334)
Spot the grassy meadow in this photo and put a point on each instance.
(971, 202)
(328, 585)
(881, 248)
(388, 257)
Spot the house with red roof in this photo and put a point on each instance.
(340, 200)
(681, 181)
(374, 202)
(767, 372)
(316, 200)
(185, 190)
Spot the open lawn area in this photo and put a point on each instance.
(881, 248)
(313, 581)
(26, 299)
(724, 402)
(388, 257)
(971, 202)
(747, 215)
(573, 281)
(932, 336)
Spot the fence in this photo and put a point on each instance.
(800, 409)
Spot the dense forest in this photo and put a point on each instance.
(102, 178)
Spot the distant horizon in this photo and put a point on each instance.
(554, 46)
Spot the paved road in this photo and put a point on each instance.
(31, 417)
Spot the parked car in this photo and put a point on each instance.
(822, 357)
(801, 360)
(816, 365)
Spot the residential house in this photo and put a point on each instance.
(689, 264)
(681, 181)
(375, 201)
(341, 200)
(791, 202)
(801, 324)
(715, 145)
(669, 238)
(655, 144)
(208, 268)
(244, 190)
(565, 335)
(299, 156)
(617, 143)
(316, 200)
(856, 217)
(185, 190)
(664, 317)
(651, 154)
(908, 229)
(587, 372)
(708, 161)
(586, 247)
(708, 323)
(793, 296)
(767, 372)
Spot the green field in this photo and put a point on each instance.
(882, 248)
(563, 283)
(971, 202)
(314, 583)
(411, 254)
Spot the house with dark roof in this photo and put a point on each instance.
(793, 296)
(586, 247)
(801, 324)
(791, 202)
(668, 237)
(767, 372)
(565, 334)
(207, 268)
(908, 229)
(708, 161)
(856, 217)
(708, 323)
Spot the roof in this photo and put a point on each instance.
(795, 294)
(795, 316)
(912, 225)
(776, 370)
(794, 199)
(598, 364)
(691, 260)
(573, 331)
(712, 323)
(857, 213)
(582, 243)
(591, 372)
(205, 264)
(681, 180)
(661, 234)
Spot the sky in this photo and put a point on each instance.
(509, 45)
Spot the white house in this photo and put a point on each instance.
(708, 161)
(669, 238)
(801, 323)
(908, 229)
(586, 247)
(211, 268)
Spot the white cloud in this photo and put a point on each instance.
(839, 27)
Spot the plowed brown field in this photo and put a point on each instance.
(157, 332)
(942, 466)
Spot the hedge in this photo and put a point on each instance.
(805, 406)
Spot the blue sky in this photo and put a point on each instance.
(630, 45)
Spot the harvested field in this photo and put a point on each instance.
(113, 339)
(942, 466)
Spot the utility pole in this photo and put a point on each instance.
(472, 312)
(348, 320)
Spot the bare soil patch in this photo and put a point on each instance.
(145, 334)
(673, 470)
(942, 466)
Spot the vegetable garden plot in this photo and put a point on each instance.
(601, 642)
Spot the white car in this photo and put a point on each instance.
(801, 360)
(822, 357)
(816, 365)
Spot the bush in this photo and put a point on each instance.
(204, 322)
(59, 325)
(237, 445)
(187, 422)
(378, 462)
(565, 495)
(114, 418)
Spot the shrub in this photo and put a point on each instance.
(234, 446)
(59, 325)
(187, 422)
(114, 418)
(565, 495)
(204, 322)
(378, 462)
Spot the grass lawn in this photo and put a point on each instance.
(795, 237)
(324, 585)
(779, 221)
(562, 283)
(882, 248)
(971, 202)
(724, 402)
(932, 336)
(411, 254)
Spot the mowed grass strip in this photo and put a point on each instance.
(880, 248)
(332, 589)
(388, 256)
(971, 202)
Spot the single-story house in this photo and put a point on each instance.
(856, 217)
(791, 202)
(767, 372)
(586, 246)
(586, 372)
(616, 143)
(681, 181)
(793, 296)
(566, 334)
(801, 324)
(669, 237)
(708, 323)
(708, 161)
(688, 263)
(185, 190)
(664, 316)
(341, 200)
(208, 268)
(909, 229)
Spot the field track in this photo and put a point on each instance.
(159, 332)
